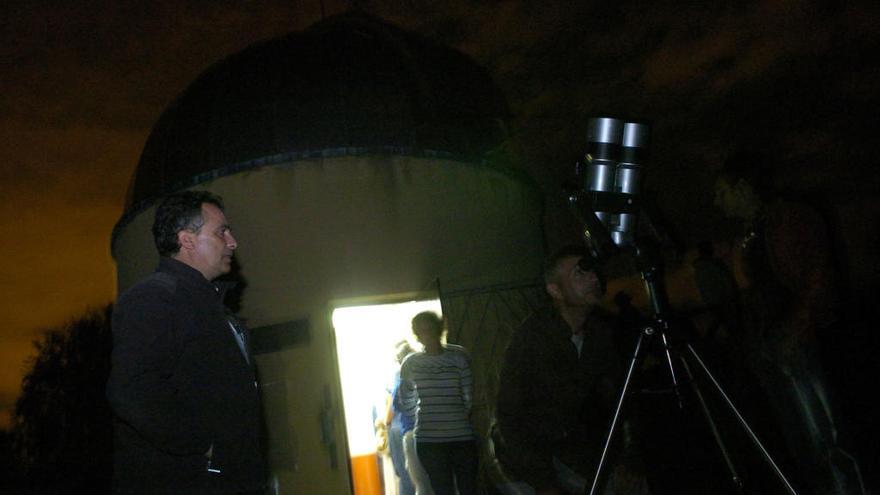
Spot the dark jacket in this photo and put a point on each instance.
(179, 384)
(552, 402)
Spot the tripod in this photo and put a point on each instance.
(659, 327)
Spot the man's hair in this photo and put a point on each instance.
(431, 318)
(551, 264)
(180, 211)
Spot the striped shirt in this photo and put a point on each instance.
(436, 391)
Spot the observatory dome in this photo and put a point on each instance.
(351, 84)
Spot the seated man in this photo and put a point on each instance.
(558, 386)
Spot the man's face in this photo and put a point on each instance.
(210, 249)
(575, 287)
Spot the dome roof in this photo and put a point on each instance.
(349, 84)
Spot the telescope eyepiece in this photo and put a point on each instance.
(604, 130)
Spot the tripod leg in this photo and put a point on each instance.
(633, 363)
(742, 421)
(737, 481)
(672, 370)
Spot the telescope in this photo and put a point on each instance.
(613, 175)
(607, 201)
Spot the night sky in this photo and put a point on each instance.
(83, 82)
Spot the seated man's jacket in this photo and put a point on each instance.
(553, 402)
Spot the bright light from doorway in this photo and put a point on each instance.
(365, 340)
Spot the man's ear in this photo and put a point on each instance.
(552, 288)
(186, 240)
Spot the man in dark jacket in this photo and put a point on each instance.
(182, 386)
(558, 385)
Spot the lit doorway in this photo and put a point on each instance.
(365, 347)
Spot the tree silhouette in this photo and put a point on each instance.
(62, 422)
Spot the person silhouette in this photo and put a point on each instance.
(436, 391)
(790, 304)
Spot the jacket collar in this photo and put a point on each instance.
(180, 269)
(192, 276)
(558, 327)
(593, 320)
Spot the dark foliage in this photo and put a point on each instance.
(62, 424)
(10, 479)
